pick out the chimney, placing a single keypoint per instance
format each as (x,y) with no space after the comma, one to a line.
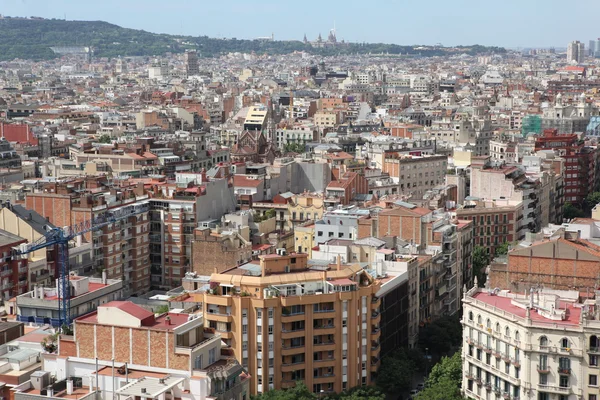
(69,387)
(104,277)
(50,391)
(339,262)
(168,320)
(263,267)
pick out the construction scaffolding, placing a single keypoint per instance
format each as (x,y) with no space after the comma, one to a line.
(531,124)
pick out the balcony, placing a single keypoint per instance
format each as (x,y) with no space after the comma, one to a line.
(543,369)
(554,389)
(6,272)
(564,371)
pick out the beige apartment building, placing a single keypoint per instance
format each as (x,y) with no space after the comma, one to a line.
(287,321)
(415,174)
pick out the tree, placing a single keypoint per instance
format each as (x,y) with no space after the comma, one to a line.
(298,392)
(358,393)
(294,148)
(441,335)
(104,139)
(448,368)
(50,343)
(592,200)
(444,390)
(502,249)
(162,309)
(444,380)
(570,211)
(395,373)
(481,260)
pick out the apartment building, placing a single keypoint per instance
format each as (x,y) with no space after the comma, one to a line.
(29,225)
(434,236)
(561,258)
(172,224)
(288,321)
(346,188)
(122,350)
(496,181)
(580,173)
(495,222)
(42,305)
(13,270)
(539,345)
(327,119)
(121,248)
(415,174)
(218,249)
(341,223)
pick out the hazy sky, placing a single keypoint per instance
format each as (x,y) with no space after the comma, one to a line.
(510,23)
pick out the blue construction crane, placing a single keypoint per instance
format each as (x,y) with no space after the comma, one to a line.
(61,237)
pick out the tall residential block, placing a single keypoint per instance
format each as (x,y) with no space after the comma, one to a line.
(288,321)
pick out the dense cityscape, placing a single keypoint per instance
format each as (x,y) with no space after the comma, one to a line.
(189,225)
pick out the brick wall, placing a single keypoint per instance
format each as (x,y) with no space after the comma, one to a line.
(159,349)
(208,255)
(85,340)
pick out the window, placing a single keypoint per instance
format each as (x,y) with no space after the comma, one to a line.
(563,381)
(593,397)
(258,313)
(593,380)
(593,361)
(543,341)
(564,364)
(244,329)
(564,343)
(211,356)
(470,316)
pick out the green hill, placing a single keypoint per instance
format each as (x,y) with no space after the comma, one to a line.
(32,39)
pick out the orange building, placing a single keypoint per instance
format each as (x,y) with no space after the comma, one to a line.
(287,322)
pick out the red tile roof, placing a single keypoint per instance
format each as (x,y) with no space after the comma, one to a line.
(130,308)
(242,181)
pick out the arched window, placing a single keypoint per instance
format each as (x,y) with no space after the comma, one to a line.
(543,341)
(507,332)
(564,343)
(497,327)
(517,335)
(488,323)
(479,319)
(470,316)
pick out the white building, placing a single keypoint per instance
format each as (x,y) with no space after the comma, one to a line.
(538,346)
(576,52)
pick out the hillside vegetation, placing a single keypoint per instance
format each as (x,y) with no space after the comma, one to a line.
(32,39)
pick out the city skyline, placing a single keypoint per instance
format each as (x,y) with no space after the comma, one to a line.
(469,22)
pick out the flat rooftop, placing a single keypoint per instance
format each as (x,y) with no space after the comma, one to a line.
(160,323)
(505,304)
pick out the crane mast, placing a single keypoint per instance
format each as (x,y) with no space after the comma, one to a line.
(61,237)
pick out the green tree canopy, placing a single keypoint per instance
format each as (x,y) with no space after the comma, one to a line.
(444,380)
(104,139)
(502,249)
(441,335)
(481,260)
(298,392)
(570,211)
(395,373)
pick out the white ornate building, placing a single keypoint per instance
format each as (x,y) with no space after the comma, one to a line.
(538,346)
